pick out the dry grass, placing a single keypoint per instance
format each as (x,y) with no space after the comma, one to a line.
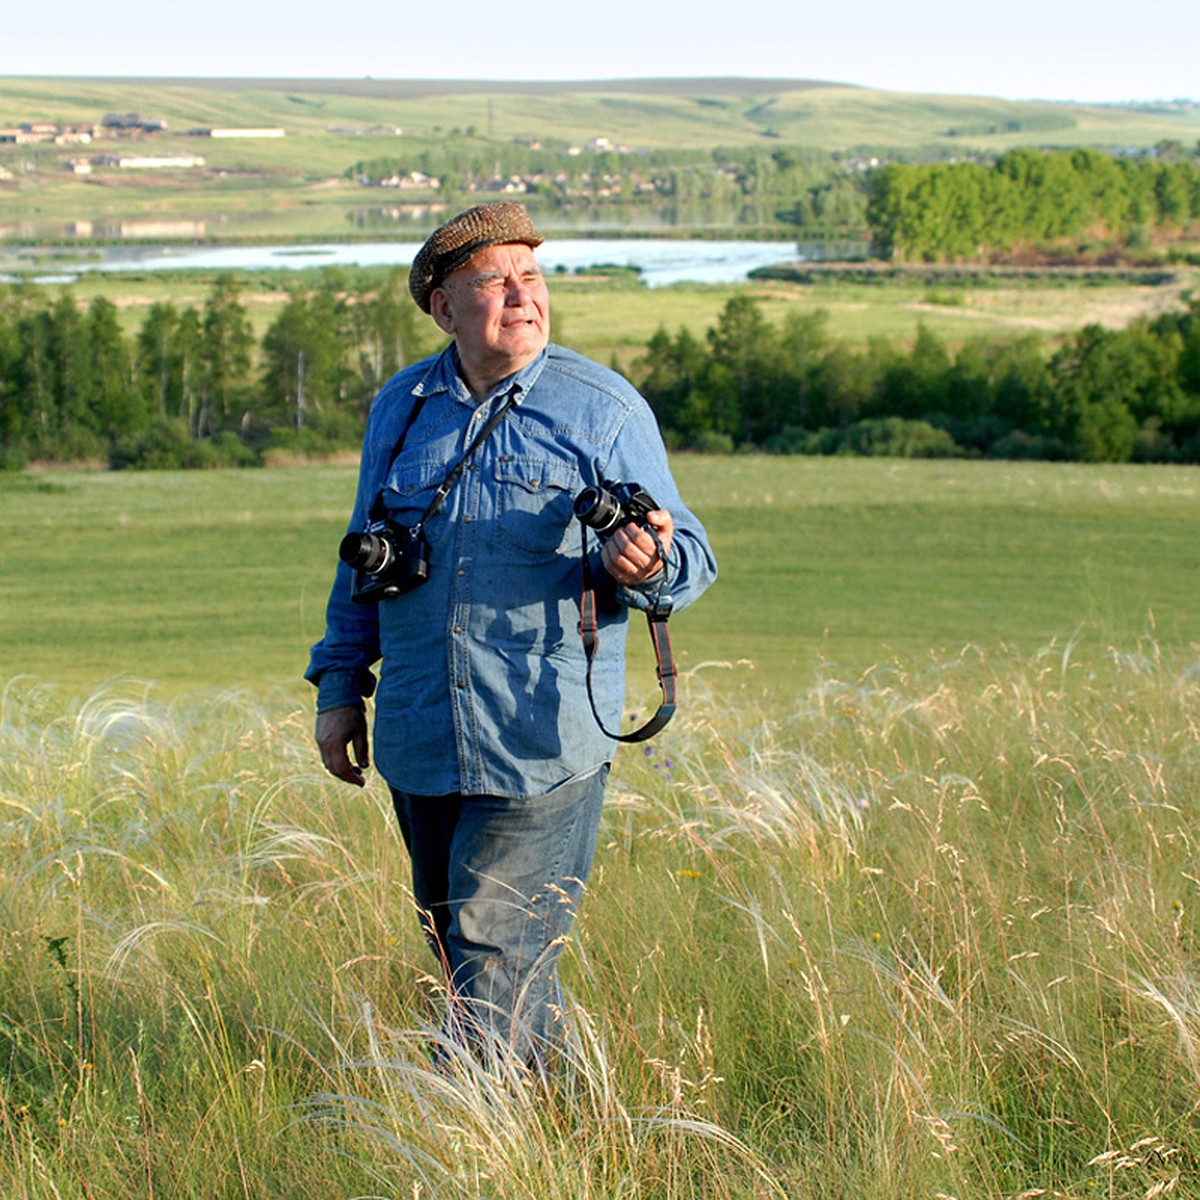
(907,934)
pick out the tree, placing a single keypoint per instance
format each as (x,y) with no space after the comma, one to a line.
(225,344)
(157,373)
(304,357)
(117,409)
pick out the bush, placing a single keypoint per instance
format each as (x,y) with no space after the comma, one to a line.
(167,446)
(895,437)
(13,458)
(1022,445)
(710,442)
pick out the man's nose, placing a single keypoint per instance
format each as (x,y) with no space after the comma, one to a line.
(518,290)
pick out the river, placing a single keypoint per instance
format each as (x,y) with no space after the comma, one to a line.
(661,261)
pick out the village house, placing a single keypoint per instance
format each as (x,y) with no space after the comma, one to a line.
(35,132)
(148,162)
(129,124)
(412,181)
(237,133)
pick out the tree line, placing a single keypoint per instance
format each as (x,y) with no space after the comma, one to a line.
(194,387)
(1101,396)
(1028,198)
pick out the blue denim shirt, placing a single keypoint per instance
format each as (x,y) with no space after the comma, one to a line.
(482,688)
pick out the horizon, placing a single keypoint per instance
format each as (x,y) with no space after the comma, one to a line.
(458,84)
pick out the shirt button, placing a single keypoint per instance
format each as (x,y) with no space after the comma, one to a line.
(458,629)
(460,685)
(461,571)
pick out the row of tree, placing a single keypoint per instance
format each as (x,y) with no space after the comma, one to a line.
(968,211)
(194,387)
(1102,396)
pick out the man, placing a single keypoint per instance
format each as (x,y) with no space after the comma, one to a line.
(483,726)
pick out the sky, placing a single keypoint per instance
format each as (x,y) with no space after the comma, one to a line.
(1084,50)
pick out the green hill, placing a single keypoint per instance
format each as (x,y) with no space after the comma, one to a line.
(650,113)
(296,185)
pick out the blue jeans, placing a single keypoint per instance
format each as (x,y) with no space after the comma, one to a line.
(498,881)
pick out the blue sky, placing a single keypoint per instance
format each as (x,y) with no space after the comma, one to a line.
(1089,50)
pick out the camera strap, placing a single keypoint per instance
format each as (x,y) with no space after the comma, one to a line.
(451,479)
(444,487)
(656,619)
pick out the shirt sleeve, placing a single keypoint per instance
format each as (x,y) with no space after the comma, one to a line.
(340,663)
(639,456)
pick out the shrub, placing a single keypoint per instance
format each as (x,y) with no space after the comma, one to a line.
(167,446)
(895,437)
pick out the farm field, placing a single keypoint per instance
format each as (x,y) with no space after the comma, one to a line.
(902,904)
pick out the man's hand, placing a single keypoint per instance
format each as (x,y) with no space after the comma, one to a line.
(630,555)
(338,728)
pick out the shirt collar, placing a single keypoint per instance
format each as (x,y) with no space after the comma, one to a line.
(443,376)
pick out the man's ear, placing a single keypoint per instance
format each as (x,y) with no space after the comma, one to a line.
(440,311)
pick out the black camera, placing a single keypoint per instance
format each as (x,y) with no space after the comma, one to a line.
(607,507)
(389,559)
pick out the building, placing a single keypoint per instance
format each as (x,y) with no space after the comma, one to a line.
(148,162)
(237,133)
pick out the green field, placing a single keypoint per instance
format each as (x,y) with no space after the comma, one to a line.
(903,904)
(219,579)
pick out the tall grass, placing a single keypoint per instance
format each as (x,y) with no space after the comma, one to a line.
(911,934)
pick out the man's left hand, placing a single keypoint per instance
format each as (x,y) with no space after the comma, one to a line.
(630,555)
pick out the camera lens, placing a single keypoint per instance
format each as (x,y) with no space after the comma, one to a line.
(596,508)
(365,552)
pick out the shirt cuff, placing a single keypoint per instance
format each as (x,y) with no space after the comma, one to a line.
(647,594)
(343,689)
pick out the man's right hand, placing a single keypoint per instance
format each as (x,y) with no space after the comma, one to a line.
(337,729)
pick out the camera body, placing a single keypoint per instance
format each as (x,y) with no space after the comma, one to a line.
(388,559)
(613,504)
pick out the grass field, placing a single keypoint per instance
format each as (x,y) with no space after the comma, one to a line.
(196,579)
(906,909)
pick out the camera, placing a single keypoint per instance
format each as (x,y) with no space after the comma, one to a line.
(389,559)
(613,504)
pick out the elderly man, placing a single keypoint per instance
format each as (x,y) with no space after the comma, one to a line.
(491,729)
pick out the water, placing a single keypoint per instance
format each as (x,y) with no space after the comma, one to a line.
(662,261)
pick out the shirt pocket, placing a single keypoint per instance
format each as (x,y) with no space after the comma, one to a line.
(410,487)
(535,504)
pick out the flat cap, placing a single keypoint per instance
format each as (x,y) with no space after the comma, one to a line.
(453,244)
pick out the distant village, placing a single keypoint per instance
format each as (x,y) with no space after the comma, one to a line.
(131,135)
(118,127)
(596,171)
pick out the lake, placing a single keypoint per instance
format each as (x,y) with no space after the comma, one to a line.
(661,261)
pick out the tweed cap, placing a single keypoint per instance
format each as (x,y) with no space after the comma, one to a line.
(453,244)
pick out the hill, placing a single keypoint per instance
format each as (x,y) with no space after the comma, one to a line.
(296,184)
(647,113)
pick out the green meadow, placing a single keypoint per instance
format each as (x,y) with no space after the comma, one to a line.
(903,904)
(218,579)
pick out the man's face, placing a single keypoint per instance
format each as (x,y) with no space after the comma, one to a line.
(498,309)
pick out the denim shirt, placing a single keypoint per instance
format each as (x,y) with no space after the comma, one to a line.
(482,687)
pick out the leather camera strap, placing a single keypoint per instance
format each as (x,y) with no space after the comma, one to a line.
(656,617)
